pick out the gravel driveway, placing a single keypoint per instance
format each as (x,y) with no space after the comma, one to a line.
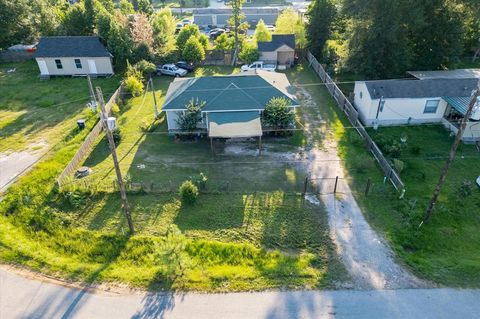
(367,257)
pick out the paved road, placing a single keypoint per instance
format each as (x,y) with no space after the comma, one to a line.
(26,298)
(13,165)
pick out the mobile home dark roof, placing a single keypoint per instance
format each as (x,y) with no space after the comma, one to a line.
(71,46)
(420,88)
(277,41)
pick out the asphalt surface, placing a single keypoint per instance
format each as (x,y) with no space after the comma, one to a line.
(27,298)
(13,165)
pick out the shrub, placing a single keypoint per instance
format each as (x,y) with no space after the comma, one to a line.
(145,67)
(193,51)
(188,121)
(117,136)
(115,108)
(465,189)
(188,192)
(363,163)
(201,181)
(249,53)
(416,150)
(133,85)
(277,114)
(398,165)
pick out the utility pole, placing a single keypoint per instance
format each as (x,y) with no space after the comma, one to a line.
(155,107)
(93,102)
(111,143)
(451,157)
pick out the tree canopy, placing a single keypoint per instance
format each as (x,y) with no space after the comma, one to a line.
(262,34)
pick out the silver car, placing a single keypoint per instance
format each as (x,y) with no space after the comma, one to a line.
(171,69)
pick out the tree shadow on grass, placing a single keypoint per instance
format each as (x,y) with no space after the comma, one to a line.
(211,213)
(75,298)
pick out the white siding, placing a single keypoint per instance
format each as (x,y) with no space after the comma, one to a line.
(396,111)
(103,64)
(268,56)
(172,117)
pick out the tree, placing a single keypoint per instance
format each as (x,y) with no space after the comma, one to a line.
(235,20)
(163,25)
(436,36)
(224,42)
(144,6)
(119,43)
(126,7)
(262,34)
(141,30)
(249,53)
(103,21)
(320,14)
(379,46)
(89,15)
(189,119)
(277,114)
(185,34)
(290,22)
(193,51)
(75,21)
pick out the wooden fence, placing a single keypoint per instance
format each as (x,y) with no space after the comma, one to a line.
(87,145)
(352,114)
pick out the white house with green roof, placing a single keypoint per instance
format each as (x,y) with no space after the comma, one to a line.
(233,104)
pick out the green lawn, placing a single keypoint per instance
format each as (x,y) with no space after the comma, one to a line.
(445,250)
(248,230)
(35,113)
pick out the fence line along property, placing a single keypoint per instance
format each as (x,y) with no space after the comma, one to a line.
(352,114)
(86,146)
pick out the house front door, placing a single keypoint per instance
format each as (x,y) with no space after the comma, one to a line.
(42,65)
(92,66)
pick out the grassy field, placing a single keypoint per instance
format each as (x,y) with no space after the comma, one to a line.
(248,230)
(34,112)
(445,250)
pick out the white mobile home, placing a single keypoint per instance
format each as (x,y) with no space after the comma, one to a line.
(73,55)
(397,102)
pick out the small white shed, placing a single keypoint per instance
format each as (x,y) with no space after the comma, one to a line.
(73,55)
(280,50)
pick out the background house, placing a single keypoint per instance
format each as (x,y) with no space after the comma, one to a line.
(204,17)
(73,55)
(438,100)
(233,103)
(280,50)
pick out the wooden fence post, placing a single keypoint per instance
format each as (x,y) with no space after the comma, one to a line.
(367,189)
(336,183)
(305,185)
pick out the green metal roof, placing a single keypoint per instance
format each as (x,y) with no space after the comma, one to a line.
(232,117)
(223,93)
(458,103)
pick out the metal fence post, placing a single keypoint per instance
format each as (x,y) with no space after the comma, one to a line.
(336,183)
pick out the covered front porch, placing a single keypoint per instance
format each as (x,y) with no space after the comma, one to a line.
(454,114)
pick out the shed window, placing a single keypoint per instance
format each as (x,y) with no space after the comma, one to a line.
(431,106)
(58,62)
(78,63)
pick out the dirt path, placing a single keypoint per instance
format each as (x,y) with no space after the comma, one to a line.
(366,255)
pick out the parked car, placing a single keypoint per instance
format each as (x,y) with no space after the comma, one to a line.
(270,28)
(259,65)
(215,33)
(171,69)
(186,22)
(178,27)
(185,65)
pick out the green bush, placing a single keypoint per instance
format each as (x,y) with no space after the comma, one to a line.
(465,189)
(249,53)
(145,67)
(133,85)
(117,136)
(188,192)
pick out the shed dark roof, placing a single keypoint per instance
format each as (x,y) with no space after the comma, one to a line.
(277,41)
(224,93)
(420,88)
(74,46)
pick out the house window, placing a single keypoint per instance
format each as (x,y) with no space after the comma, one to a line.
(58,62)
(78,63)
(431,106)
(361,94)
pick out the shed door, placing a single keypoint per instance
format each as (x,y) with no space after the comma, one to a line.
(285,57)
(92,66)
(42,65)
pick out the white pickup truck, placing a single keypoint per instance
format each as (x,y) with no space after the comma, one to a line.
(259,65)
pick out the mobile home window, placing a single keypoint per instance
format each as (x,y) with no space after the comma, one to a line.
(431,106)
(78,63)
(58,62)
